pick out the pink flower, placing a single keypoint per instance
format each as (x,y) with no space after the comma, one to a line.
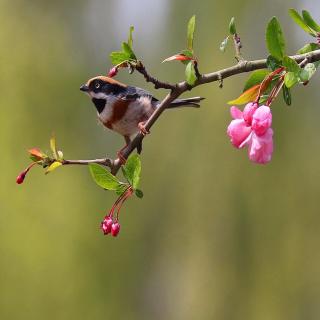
(262,120)
(252,128)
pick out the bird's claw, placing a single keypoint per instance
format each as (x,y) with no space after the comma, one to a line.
(143,129)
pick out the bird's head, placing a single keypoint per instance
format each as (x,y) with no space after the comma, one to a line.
(101,87)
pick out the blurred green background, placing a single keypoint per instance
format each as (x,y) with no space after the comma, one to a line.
(215,237)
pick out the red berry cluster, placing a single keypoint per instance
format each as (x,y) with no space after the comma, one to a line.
(110,223)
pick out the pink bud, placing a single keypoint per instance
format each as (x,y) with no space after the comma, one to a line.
(113,72)
(115,229)
(106,225)
(20,177)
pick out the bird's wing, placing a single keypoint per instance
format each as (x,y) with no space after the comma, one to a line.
(133,93)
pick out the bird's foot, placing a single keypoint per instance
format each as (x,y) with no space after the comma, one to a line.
(142,128)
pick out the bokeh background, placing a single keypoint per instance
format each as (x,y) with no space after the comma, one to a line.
(215,237)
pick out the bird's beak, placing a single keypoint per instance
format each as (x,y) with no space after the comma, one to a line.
(84,88)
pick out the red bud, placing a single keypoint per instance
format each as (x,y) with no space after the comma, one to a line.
(113,72)
(115,229)
(20,177)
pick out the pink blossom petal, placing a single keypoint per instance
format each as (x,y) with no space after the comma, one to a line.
(235,113)
(262,120)
(238,131)
(261,147)
(248,112)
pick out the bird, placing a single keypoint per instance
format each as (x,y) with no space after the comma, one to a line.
(125,109)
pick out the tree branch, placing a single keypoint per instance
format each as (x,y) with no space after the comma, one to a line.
(157,83)
(180,88)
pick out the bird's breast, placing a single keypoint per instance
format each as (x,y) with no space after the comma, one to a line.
(123,116)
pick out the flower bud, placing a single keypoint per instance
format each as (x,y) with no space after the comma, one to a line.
(115,229)
(113,72)
(20,177)
(106,225)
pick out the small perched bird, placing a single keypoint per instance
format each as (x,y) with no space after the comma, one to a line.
(125,109)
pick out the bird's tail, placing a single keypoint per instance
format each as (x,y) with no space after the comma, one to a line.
(189,102)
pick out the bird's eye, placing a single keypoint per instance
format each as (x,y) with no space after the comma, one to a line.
(97,85)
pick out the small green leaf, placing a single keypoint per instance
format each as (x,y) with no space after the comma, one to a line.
(256,77)
(307,72)
(309,21)
(190,33)
(127,50)
(132,170)
(286,95)
(53,147)
(273,63)
(103,177)
(291,65)
(275,39)
(290,79)
(187,53)
(191,73)
(224,44)
(53,166)
(232,27)
(130,39)
(300,22)
(139,193)
(118,57)
(308,48)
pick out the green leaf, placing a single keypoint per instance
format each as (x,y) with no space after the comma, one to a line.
(53,166)
(308,48)
(190,32)
(139,193)
(290,79)
(291,65)
(307,72)
(127,50)
(273,63)
(299,21)
(232,27)
(286,95)
(256,77)
(130,39)
(190,73)
(103,178)
(118,57)
(309,21)
(53,147)
(275,39)
(132,170)
(224,44)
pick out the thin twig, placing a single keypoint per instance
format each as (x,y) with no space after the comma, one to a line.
(157,83)
(237,47)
